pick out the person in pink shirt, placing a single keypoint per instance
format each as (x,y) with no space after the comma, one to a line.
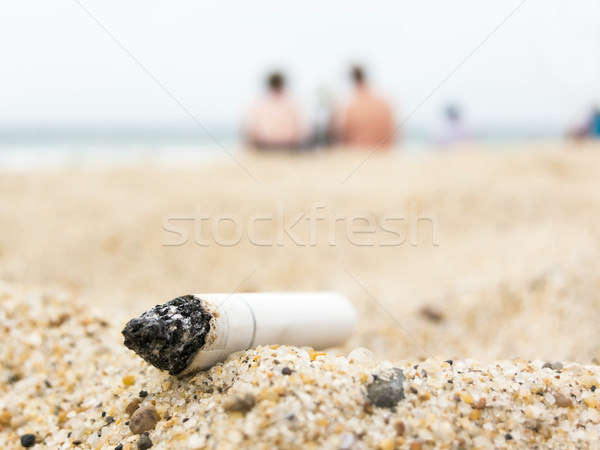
(367,121)
(274,123)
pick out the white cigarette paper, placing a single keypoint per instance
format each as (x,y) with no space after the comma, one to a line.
(242,321)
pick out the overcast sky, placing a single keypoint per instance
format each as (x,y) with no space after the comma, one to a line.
(58,67)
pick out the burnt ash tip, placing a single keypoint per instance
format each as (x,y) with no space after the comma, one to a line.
(169,335)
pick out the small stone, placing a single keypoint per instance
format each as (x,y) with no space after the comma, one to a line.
(144,442)
(475,414)
(415,445)
(562,401)
(592,402)
(239,401)
(387,389)
(361,355)
(132,406)
(144,419)
(387,444)
(547,365)
(432,314)
(480,404)
(143,394)
(399,427)
(347,441)
(286,371)
(557,365)
(128,380)
(28,440)
(588,382)
(119,447)
(508,437)
(5,418)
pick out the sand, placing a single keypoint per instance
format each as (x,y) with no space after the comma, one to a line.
(509,284)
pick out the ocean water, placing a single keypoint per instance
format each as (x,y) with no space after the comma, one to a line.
(58,149)
(26,150)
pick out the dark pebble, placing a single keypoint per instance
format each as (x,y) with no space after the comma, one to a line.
(144,419)
(143,394)
(119,447)
(109,420)
(449,361)
(103,413)
(508,436)
(240,401)
(557,365)
(144,442)
(27,440)
(593,388)
(13,378)
(547,365)
(387,390)
(286,371)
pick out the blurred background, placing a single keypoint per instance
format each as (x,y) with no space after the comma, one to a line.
(66,82)
(116,115)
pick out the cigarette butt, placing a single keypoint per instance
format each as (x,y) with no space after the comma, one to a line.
(194,332)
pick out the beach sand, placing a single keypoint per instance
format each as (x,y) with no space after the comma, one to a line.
(507,283)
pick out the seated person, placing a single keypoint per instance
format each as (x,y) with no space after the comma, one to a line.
(274,122)
(367,121)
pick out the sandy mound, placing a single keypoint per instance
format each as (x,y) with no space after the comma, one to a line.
(70,382)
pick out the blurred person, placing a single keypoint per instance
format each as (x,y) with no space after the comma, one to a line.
(453,130)
(590,129)
(367,120)
(274,123)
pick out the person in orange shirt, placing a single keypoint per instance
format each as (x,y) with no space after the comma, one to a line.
(275,122)
(367,121)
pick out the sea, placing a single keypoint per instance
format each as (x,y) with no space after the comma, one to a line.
(51,149)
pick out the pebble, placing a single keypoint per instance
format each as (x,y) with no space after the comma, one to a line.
(5,418)
(562,400)
(361,355)
(144,419)
(399,427)
(286,371)
(27,440)
(387,390)
(239,401)
(143,394)
(387,444)
(144,442)
(557,365)
(415,445)
(347,441)
(132,406)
